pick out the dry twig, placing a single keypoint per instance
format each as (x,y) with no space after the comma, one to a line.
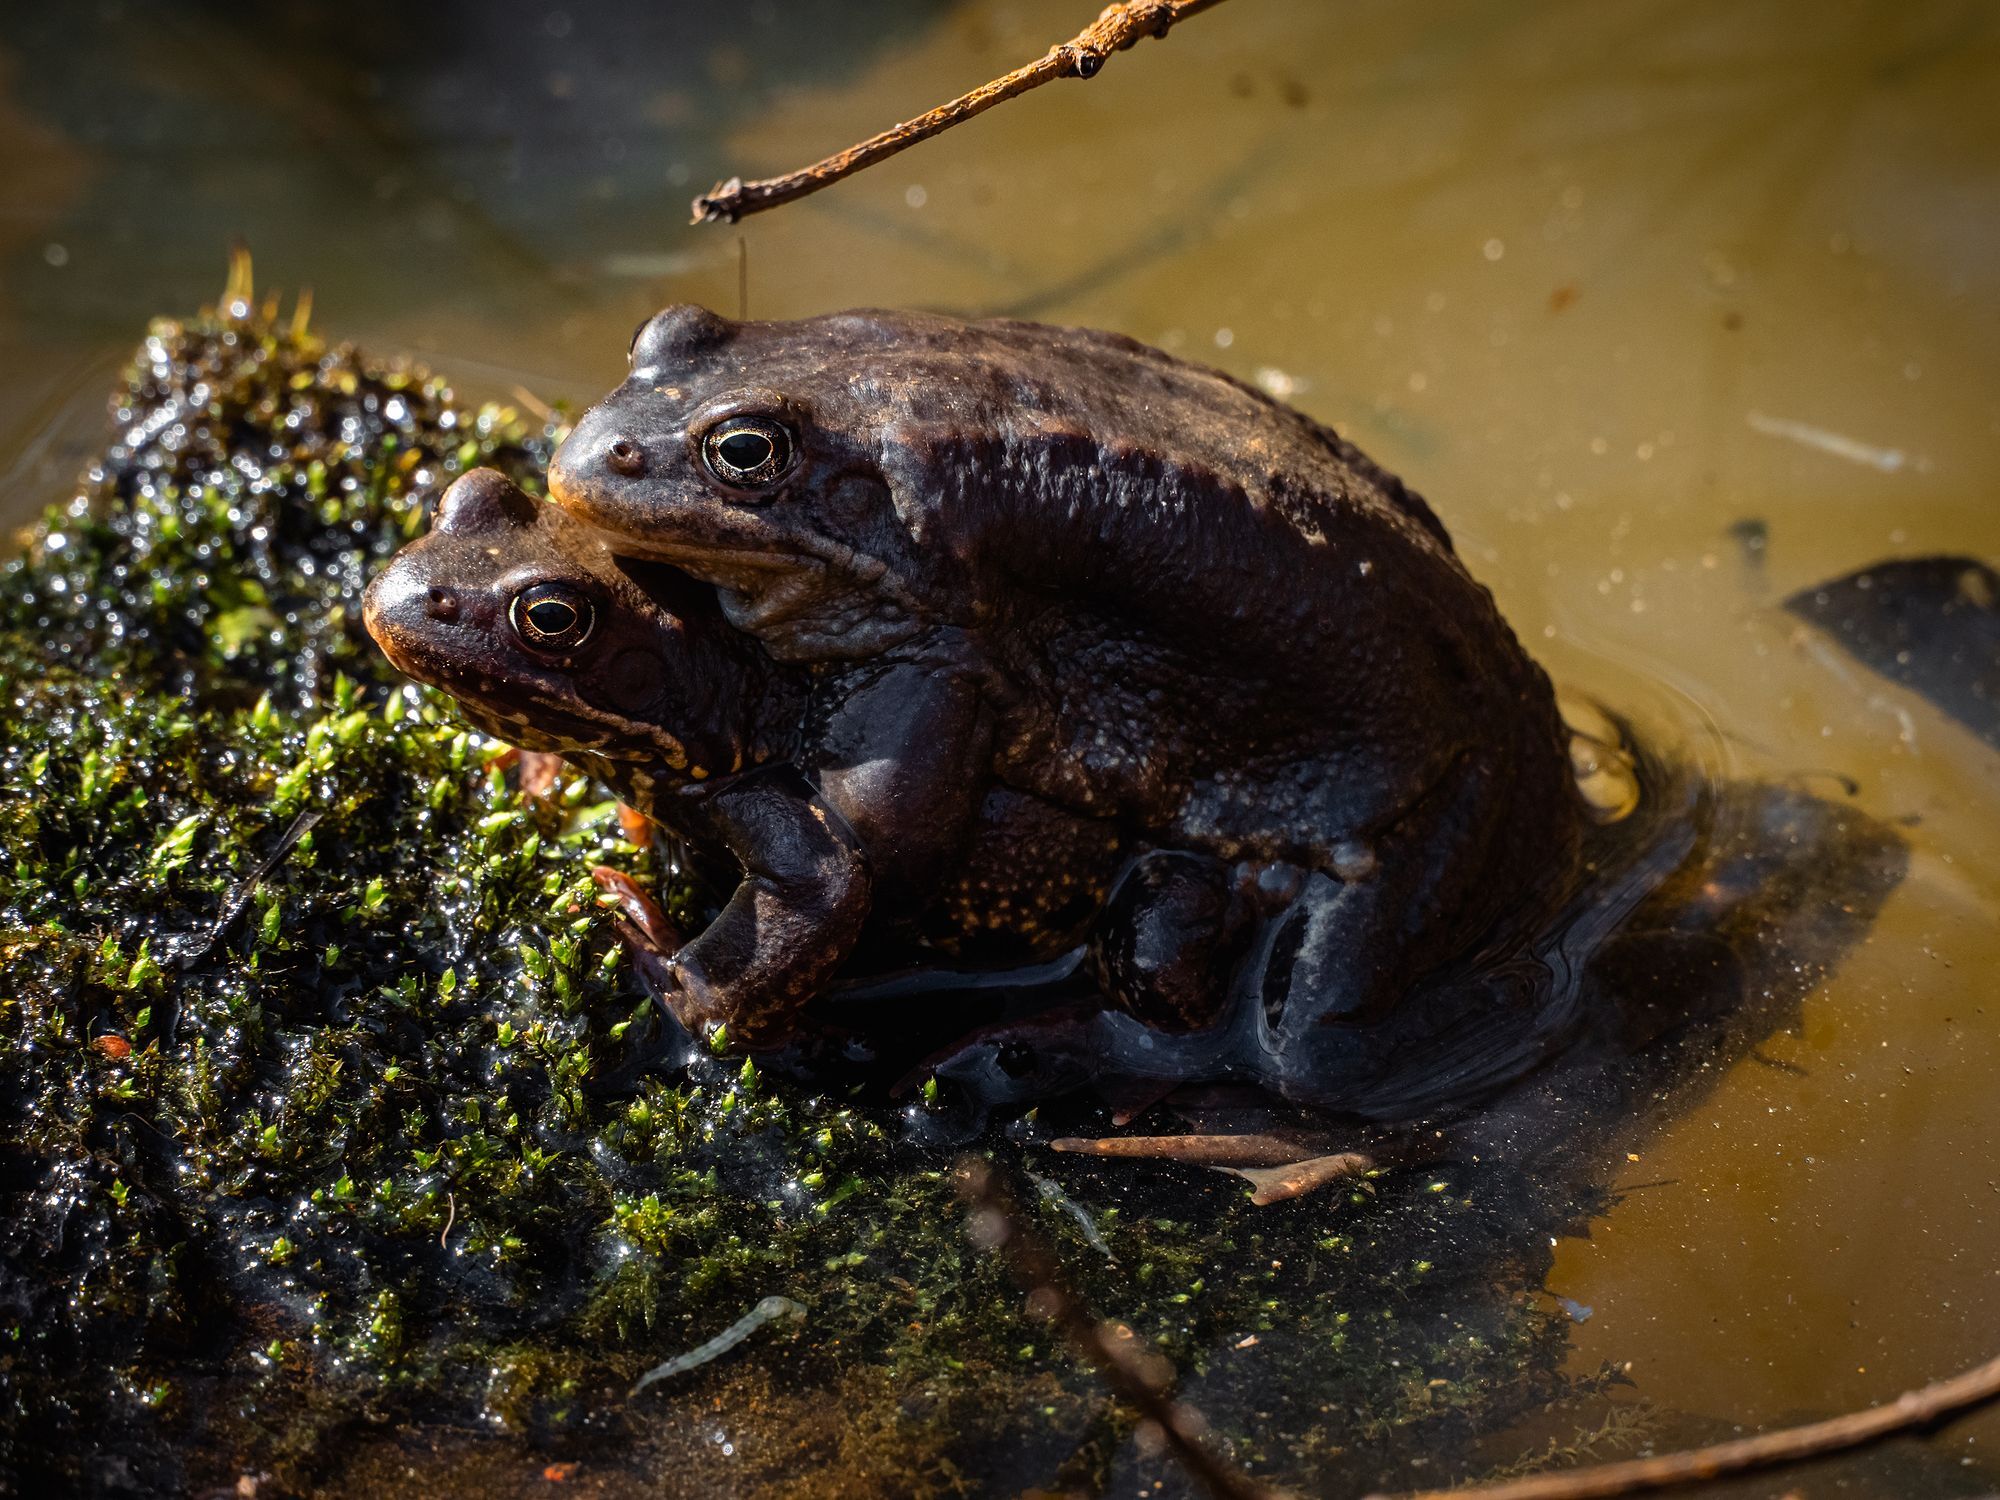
(1909,1412)
(1136,1374)
(1080,57)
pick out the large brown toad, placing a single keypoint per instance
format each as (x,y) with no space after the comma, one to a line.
(1127,585)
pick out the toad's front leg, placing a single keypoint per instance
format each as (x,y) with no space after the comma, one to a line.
(904,753)
(793,919)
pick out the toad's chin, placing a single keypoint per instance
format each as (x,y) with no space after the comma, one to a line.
(468,689)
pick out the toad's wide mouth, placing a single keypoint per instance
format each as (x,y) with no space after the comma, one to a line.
(733,547)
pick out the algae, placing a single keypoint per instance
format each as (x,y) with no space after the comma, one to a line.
(340,1147)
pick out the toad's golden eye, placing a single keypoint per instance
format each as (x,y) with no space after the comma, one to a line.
(552,617)
(749,453)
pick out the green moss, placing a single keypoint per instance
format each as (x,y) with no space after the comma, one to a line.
(387,1128)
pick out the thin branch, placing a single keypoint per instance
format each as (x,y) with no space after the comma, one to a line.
(1909,1412)
(300,827)
(1081,57)
(1136,1374)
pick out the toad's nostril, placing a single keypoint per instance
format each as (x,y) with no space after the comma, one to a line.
(626,457)
(443,605)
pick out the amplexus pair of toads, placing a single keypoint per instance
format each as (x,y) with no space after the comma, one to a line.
(999,637)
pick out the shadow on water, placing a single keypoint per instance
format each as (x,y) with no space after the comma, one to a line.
(1929,623)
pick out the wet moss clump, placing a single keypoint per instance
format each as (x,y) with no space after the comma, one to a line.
(340,1145)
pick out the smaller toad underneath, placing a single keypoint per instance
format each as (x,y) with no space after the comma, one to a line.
(552,642)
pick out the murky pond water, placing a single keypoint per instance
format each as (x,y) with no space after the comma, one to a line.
(1671,307)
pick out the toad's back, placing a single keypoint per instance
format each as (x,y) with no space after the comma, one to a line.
(1207,588)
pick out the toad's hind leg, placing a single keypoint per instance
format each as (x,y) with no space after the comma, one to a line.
(649,936)
(1481,854)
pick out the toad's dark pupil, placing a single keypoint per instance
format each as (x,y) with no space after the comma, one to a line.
(551,616)
(744,450)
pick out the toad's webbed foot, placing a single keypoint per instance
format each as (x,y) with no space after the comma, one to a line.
(649,936)
(1035,1057)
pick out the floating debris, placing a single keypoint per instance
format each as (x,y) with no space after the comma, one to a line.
(1888,460)
(769,1310)
(1052,1190)
(1752,536)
